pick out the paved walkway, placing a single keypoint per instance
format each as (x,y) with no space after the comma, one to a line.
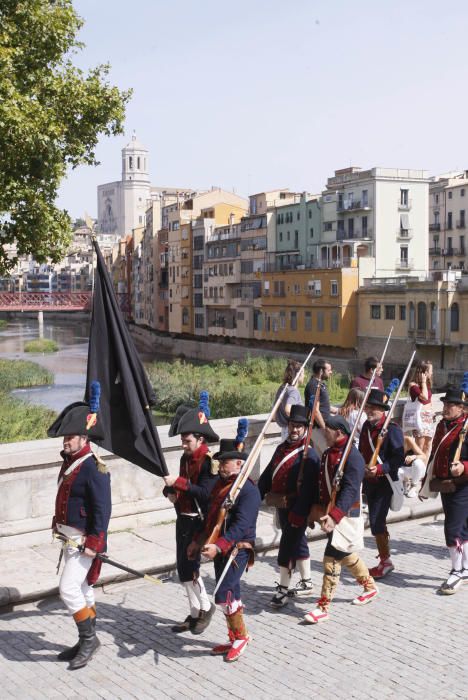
(408,643)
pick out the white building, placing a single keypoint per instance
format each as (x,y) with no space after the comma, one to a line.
(381,214)
(448,222)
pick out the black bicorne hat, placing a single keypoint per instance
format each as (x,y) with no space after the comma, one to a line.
(73,421)
(298,414)
(338,423)
(194,420)
(378,398)
(180,411)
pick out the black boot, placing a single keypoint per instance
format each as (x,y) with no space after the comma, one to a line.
(89,644)
(186,625)
(70,653)
(203,620)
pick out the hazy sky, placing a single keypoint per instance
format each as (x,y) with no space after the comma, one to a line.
(259,94)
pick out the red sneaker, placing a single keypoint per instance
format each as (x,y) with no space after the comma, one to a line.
(237,648)
(366,596)
(383,568)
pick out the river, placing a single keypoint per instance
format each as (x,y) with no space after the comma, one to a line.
(68,365)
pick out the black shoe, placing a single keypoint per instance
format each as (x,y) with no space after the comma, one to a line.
(186,625)
(71,652)
(89,644)
(203,620)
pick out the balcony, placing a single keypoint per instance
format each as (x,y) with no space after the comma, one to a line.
(345,207)
(461,223)
(435,251)
(404,264)
(405,206)
(434,227)
(405,233)
(354,235)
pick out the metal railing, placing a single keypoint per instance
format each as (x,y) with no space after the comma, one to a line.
(405,206)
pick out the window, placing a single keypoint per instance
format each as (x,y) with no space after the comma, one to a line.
(422,316)
(412,316)
(462,218)
(462,192)
(334,288)
(310,210)
(311,231)
(138,163)
(185,316)
(375,311)
(365,198)
(199,321)
(462,245)
(404,198)
(296,239)
(297,289)
(281,236)
(402,312)
(320,321)
(318,288)
(350,228)
(454,318)
(293,321)
(450,195)
(364,226)
(334,321)
(240,315)
(449,220)
(130,162)
(298,216)
(278,219)
(390,312)
(289,235)
(308,321)
(328,226)
(433,316)
(266,287)
(282,320)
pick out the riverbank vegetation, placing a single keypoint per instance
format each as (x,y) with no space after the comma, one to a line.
(41,345)
(20,420)
(236,389)
(3,323)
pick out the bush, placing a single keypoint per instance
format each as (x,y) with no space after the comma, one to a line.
(17,374)
(41,345)
(3,323)
(21,421)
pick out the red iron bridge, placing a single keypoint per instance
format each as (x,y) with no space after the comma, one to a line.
(53,301)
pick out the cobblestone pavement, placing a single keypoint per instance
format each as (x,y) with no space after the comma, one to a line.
(407,644)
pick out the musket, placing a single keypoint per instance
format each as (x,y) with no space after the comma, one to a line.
(313,407)
(106,560)
(461,439)
(344,457)
(251,459)
(384,428)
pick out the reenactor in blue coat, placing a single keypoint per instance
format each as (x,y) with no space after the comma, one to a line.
(447,474)
(286,483)
(376,485)
(82,513)
(189,491)
(343,522)
(233,546)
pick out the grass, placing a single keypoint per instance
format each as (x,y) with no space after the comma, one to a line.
(236,389)
(41,345)
(3,323)
(19,420)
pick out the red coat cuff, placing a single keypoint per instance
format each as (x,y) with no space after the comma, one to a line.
(465,464)
(296,520)
(336,514)
(96,542)
(181,483)
(224,545)
(380,471)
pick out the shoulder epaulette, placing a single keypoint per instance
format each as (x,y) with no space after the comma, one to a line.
(101,465)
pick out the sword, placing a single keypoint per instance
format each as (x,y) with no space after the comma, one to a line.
(232,556)
(106,560)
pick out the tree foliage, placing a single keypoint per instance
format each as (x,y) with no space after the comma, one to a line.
(51,116)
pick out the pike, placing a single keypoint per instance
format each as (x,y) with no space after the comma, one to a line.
(312,413)
(106,560)
(245,472)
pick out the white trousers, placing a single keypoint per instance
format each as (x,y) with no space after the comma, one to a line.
(74,590)
(415,471)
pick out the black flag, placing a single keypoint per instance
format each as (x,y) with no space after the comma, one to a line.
(126,394)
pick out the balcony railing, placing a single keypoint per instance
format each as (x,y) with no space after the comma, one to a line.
(405,206)
(354,235)
(405,233)
(352,206)
(404,264)
(435,251)
(434,227)
(461,223)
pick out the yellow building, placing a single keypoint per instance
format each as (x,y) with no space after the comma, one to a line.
(309,307)
(427,315)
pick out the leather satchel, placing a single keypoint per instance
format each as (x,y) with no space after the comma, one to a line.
(447,485)
(279,500)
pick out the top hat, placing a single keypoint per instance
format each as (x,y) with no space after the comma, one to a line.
(457,396)
(228,450)
(74,420)
(338,423)
(298,414)
(378,398)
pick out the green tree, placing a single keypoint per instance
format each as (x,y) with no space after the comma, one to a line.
(51,116)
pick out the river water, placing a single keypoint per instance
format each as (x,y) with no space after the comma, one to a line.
(68,365)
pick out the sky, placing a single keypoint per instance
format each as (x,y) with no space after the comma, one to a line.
(254,95)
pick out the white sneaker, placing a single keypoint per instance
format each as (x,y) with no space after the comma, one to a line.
(303,587)
(366,596)
(315,616)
